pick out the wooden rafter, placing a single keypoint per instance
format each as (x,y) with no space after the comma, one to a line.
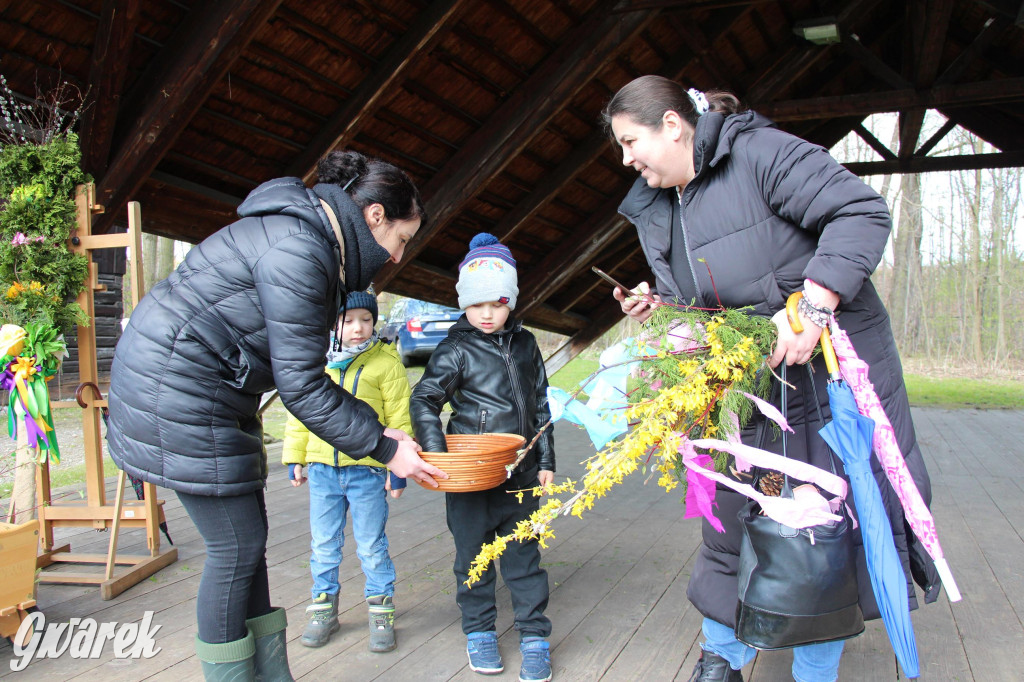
(563,264)
(864,104)
(531,106)
(993,28)
(107,75)
(551,184)
(206,45)
(873,141)
(929,23)
(592,147)
(928,164)
(389,73)
(875,66)
(935,138)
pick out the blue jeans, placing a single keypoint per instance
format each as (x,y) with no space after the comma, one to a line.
(811,663)
(333,491)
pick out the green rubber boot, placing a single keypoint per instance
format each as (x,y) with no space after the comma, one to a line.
(271,646)
(231,661)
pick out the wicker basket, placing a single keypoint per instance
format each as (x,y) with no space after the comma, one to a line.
(474,462)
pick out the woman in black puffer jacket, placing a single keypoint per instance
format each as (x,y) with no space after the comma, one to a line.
(723,193)
(251,309)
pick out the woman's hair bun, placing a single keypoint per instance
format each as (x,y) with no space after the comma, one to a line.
(338,168)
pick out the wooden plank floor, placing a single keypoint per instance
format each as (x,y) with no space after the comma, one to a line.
(618,583)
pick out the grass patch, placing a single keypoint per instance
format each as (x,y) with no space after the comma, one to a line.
(957,393)
(572,373)
(61,476)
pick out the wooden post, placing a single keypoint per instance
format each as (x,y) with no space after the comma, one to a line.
(23,494)
(94,510)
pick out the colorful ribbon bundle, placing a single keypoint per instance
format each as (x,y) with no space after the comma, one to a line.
(31,357)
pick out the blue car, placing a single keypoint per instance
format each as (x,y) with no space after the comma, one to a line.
(416,327)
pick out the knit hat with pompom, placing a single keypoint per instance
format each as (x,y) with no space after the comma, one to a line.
(487,273)
(361,299)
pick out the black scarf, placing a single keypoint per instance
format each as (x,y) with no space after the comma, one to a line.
(364,257)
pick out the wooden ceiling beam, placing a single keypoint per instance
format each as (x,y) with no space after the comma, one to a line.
(928,164)
(991,125)
(195,60)
(591,149)
(563,264)
(873,142)
(928,21)
(993,28)
(551,184)
(703,50)
(294,22)
(518,120)
(910,123)
(874,64)
(388,74)
(107,74)
(929,25)
(867,103)
(935,138)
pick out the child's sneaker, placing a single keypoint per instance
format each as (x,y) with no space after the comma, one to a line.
(382,624)
(482,649)
(323,620)
(536,660)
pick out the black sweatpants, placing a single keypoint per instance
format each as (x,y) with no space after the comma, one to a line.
(478,517)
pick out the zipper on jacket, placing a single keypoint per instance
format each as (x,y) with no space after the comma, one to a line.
(341,382)
(483,421)
(355,382)
(513,375)
(689,256)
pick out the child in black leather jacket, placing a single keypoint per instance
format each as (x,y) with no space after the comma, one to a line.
(490,370)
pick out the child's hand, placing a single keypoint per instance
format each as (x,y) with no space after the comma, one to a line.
(387,486)
(397,434)
(545,478)
(297,477)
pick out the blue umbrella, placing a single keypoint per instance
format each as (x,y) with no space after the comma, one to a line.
(849,435)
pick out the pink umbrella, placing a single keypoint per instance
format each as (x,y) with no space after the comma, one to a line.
(855,372)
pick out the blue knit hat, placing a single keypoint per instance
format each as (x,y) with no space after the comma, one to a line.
(362,299)
(487,273)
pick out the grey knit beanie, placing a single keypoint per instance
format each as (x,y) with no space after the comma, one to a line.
(487,273)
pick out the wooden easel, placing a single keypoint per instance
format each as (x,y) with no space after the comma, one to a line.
(95,511)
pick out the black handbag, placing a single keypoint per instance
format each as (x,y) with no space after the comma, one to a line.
(796,586)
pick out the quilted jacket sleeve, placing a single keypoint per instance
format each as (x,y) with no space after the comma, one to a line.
(435,388)
(806,186)
(296,440)
(293,289)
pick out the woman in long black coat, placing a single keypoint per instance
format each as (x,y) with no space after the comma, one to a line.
(250,309)
(765,214)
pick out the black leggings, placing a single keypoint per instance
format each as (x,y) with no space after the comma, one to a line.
(234,585)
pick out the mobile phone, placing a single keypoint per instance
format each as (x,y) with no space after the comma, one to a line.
(628,291)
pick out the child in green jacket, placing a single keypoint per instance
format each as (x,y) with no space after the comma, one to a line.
(369,369)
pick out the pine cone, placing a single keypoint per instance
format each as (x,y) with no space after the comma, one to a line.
(771,483)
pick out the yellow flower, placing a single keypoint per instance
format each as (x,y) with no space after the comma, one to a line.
(14,290)
(12,339)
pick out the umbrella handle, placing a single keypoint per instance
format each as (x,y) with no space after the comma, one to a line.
(831,362)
